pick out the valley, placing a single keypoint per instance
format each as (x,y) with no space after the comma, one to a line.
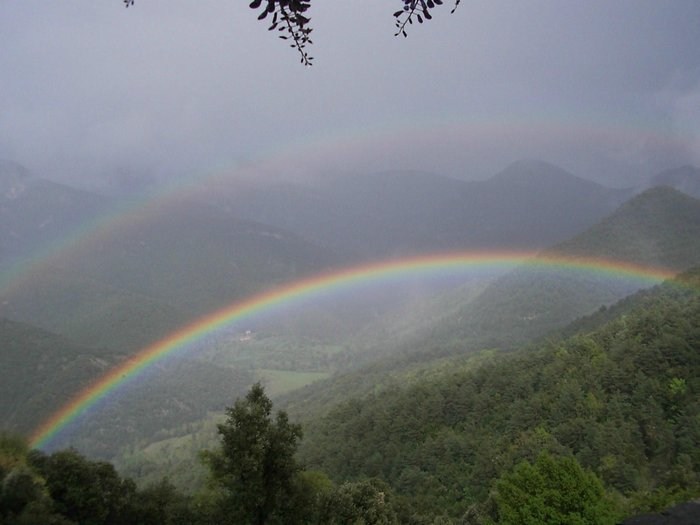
(350,263)
(446,356)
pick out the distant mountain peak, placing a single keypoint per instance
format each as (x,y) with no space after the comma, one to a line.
(685,179)
(534,165)
(531,171)
(9,168)
(13,179)
(658,227)
(666,196)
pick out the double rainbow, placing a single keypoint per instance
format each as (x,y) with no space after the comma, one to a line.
(327,150)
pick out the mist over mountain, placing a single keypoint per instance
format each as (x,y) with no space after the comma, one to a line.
(13,178)
(91,312)
(135,280)
(35,212)
(529,205)
(132,281)
(659,227)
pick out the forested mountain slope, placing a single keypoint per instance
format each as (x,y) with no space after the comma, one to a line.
(658,228)
(91,312)
(132,281)
(471,445)
(34,212)
(529,302)
(622,400)
(42,371)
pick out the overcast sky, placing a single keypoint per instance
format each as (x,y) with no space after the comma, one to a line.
(94,92)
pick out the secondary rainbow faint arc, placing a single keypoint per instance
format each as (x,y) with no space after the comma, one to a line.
(343,278)
(324,149)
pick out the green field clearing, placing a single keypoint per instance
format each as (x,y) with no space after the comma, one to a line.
(278,382)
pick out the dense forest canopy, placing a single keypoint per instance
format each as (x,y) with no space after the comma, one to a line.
(618,399)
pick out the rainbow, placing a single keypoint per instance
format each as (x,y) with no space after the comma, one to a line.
(334,281)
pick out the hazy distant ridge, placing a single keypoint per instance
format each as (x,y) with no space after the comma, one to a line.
(531,204)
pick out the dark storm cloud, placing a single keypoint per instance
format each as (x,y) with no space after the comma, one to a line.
(609,90)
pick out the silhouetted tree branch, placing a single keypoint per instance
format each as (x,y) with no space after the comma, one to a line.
(418,9)
(290,21)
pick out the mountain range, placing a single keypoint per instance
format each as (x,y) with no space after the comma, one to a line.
(131,281)
(170,264)
(529,205)
(133,284)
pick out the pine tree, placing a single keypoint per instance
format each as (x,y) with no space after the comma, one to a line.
(254,471)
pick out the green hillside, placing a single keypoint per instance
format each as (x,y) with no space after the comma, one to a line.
(40,372)
(525,304)
(658,228)
(44,370)
(156,405)
(622,400)
(132,284)
(34,212)
(92,312)
(619,397)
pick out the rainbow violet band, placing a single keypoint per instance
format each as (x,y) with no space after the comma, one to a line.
(364,274)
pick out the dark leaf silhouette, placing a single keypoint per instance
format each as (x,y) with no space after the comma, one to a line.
(418,8)
(288,18)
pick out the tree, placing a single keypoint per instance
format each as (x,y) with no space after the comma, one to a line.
(23,495)
(254,471)
(84,491)
(552,491)
(163,504)
(289,19)
(367,502)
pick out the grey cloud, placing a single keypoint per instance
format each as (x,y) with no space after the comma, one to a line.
(176,87)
